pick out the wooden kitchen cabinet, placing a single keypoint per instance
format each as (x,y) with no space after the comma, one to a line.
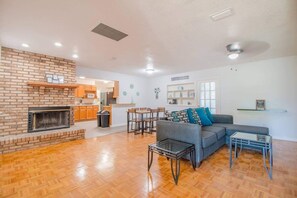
(90,112)
(83,113)
(95,110)
(80,91)
(116,89)
(76,114)
(94,88)
(88,87)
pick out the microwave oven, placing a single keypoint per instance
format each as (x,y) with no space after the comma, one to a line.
(90,95)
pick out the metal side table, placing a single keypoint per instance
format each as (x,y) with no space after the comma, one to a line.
(263,142)
(173,150)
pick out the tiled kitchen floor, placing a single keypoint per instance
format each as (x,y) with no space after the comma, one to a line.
(93,131)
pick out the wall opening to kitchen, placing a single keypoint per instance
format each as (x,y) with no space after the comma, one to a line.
(93,95)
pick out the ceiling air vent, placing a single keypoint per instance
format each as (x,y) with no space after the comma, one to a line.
(109,32)
(222,14)
(179,78)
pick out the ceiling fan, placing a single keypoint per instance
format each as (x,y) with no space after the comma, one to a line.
(234,50)
(251,48)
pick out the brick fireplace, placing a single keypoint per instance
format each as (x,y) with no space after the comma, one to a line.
(16,97)
(48,118)
(17,68)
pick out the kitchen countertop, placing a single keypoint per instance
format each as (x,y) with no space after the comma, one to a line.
(78,105)
(123,105)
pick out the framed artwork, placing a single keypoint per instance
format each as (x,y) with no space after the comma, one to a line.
(61,79)
(53,78)
(49,78)
(260,105)
(56,81)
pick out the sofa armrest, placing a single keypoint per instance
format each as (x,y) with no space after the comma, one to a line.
(185,132)
(220,118)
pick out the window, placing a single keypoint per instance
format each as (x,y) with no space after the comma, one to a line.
(207,95)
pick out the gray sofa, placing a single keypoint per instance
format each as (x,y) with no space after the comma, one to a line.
(207,139)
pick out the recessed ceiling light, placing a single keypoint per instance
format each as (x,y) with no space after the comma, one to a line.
(74,56)
(105,81)
(57,44)
(25,45)
(82,77)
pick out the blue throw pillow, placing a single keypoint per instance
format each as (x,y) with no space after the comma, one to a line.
(193,116)
(208,113)
(203,117)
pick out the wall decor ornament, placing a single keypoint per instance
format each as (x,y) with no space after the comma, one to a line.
(131,86)
(54,78)
(260,105)
(49,78)
(124,93)
(157,91)
(137,93)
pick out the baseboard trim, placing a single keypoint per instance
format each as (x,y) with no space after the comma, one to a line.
(118,125)
(284,139)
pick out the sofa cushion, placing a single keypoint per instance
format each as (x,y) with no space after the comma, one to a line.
(219,131)
(193,116)
(208,138)
(232,128)
(203,117)
(178,116)
(209,115)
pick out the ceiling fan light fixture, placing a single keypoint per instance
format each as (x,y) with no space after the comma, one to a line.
(149,70)
(233,56)
(234,51)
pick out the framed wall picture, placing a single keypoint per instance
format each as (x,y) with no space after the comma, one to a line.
(260,105)
(49,78)
(61,79)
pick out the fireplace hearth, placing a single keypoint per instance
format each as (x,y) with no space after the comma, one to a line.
(48,118)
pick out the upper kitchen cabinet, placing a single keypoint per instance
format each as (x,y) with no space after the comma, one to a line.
(116,89)
(83,90)
(80,91)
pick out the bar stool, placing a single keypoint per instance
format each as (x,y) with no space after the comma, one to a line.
(152,119)
(132,119)
(161,113)
(145,115)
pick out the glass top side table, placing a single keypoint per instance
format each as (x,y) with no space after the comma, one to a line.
(263,142)
(173,150)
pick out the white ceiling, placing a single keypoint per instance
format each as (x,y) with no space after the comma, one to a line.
(178,36)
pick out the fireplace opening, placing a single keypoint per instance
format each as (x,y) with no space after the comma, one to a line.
(48,118)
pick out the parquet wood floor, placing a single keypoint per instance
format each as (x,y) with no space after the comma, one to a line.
(116,166)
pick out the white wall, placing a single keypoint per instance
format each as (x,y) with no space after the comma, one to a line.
(140,84)
(274,80)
